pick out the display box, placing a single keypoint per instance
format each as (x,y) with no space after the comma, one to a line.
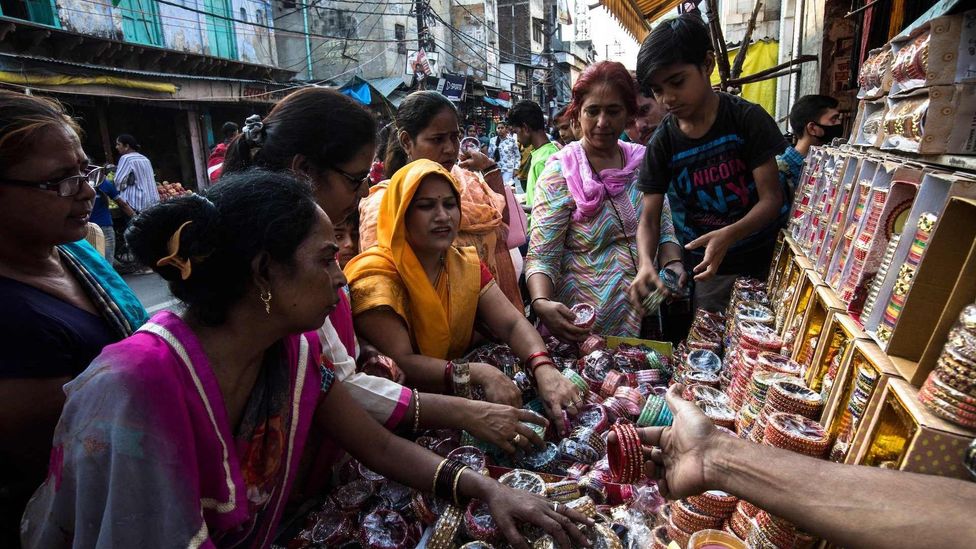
(947,255)
(904,435)
(863,376)
(933,195)
(963,294)
(822,304)
(836,212)
(874,78)
(851,220)
(794,302)
(775,267)
(939,51)
(836,341)
(934,120)
(869,123)
(884,221)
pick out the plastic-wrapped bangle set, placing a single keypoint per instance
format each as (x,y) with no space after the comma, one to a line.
(950,390)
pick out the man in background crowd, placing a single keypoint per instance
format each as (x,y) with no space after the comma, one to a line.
(215,163)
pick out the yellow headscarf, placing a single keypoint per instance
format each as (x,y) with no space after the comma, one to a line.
(440,322)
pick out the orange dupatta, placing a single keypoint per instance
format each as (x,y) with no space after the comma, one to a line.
(390,275)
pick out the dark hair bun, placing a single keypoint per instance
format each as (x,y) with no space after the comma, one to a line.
(149,233)
(246,214)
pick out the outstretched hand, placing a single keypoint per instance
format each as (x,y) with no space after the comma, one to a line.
(677,454)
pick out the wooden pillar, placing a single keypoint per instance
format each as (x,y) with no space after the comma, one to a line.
(199,150)
(101,110)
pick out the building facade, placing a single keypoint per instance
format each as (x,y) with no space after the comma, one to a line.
(165,71)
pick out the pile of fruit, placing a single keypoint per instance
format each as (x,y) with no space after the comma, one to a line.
(169,190)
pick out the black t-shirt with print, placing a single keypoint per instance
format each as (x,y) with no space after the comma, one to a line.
(709,180)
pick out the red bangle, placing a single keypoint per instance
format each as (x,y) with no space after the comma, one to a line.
(449,378)
(624,454)
(543,363)
(534,356)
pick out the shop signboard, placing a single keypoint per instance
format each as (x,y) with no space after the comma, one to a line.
(453,87)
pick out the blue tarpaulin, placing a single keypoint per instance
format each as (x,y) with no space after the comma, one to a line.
(498,102)
(358,91)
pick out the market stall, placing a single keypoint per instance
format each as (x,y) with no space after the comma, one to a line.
(860,348)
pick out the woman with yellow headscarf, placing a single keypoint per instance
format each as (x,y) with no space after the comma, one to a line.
(416,297)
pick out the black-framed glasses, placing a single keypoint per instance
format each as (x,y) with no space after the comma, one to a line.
(356,181)
(69,186)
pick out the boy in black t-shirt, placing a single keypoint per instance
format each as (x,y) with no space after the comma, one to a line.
(715,155)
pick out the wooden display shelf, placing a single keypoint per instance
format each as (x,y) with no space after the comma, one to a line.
(904,435)
(837,337)
(822,305)
(863,354)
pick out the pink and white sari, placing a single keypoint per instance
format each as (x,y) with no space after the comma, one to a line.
(144,455)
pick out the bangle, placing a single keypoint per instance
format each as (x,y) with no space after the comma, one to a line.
(449,377)
(490,171)
(665,266)
(416,410)
(534,356)
(454,487)
(624,454)
(532,303)
(537,365)
(445,529)
(462,379)
(437,473)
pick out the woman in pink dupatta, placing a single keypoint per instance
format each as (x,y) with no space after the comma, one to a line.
(189,433)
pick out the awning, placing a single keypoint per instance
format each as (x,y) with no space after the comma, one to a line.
(386,86)
(635,15)
(358,91)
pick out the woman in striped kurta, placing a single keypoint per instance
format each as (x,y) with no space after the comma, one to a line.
(584,217)
(590,260)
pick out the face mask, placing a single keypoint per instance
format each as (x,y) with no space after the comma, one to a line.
(830,132)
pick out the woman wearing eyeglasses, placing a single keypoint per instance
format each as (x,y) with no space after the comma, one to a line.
(62,302)
(300,136)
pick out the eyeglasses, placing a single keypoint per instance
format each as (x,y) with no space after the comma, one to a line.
(69,186)
(356,181)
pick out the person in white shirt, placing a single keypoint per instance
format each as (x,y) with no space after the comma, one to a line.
(504,151)
(134,175)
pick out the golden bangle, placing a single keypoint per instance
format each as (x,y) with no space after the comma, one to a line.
(416,410)
(437,473)
(457,479)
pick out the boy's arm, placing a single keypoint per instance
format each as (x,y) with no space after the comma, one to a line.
(764,212)
(648,235)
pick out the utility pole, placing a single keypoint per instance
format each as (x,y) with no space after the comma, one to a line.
(423,34)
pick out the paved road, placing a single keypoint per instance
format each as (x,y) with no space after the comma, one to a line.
(152,291)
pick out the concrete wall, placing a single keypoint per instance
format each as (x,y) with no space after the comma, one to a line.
(94,18)
(255,44)
(184,28)
(735,16)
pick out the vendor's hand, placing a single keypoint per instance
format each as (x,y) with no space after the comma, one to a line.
(498,388)
(643,285)
(559,320)
(475,161)
(716,244)
(677,454)
(558,393)
(509,507)
(498,424)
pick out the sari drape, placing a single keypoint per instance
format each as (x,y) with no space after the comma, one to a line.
(390,275)
(144,454)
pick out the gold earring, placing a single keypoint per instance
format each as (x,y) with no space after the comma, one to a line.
(266,298)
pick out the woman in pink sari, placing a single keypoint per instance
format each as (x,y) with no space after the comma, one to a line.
(189,433)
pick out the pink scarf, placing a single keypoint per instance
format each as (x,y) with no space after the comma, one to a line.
(588,191)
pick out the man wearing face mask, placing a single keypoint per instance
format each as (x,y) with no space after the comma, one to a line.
(815,121)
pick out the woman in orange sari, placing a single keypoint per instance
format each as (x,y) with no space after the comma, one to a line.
(427,128)
(416,295)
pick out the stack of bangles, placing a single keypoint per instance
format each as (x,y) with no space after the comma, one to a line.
(531,364)
(624,454)
(457,378)
(445,529)
(446,479)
